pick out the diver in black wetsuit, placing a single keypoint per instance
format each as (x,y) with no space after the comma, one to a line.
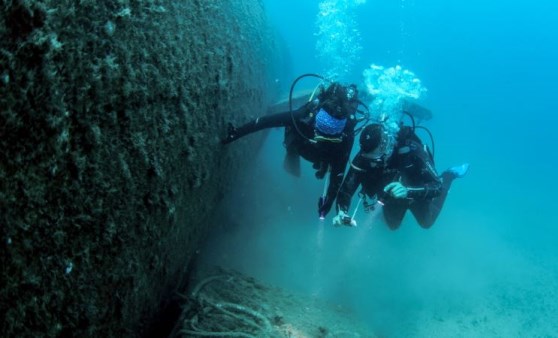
(399,175)
(322,131)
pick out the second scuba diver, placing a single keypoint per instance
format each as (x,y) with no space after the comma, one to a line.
(398,174)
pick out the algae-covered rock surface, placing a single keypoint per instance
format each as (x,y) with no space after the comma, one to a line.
(110,162)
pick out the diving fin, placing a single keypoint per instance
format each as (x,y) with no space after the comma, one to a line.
(419,112)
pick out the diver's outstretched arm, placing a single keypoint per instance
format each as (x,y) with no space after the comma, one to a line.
(268,121)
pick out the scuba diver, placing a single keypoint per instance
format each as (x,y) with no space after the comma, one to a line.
(321,131)
(398,174)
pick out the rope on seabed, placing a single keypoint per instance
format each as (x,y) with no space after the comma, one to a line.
(232,311)
(227,309)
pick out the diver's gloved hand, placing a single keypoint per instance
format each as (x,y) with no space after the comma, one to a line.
(343,219)
(324,206)
(321,169)
(231,134)
(396,190)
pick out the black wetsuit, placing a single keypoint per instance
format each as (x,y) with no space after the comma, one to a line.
(300,140)
(412,165)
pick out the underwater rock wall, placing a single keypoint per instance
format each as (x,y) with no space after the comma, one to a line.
(110,163)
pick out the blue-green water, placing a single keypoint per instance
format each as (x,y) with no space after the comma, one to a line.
(488,267)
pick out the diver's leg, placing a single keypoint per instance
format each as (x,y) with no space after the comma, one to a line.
(426,212)
(292,143)
(393,214)
(291,163)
